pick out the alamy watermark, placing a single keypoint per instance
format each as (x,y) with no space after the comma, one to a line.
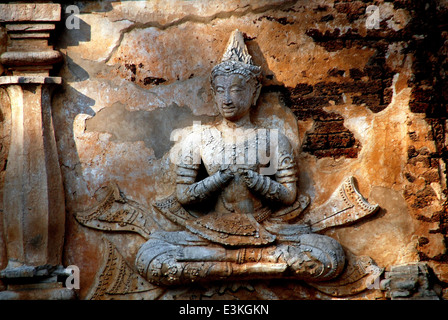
(374,19)
(73,279)
(72,21)
(372,281)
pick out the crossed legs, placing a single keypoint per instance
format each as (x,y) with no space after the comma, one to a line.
(175,258)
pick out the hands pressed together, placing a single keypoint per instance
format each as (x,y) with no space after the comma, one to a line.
(250,177)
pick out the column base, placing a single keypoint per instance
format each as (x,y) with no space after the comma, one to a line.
(15,271)
(25,282)
(37,291)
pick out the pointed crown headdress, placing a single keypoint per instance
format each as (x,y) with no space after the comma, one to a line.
(236,60)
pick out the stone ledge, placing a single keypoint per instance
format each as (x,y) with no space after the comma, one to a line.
(411,281)
(21,12)
(39,294)
(31,58)
(29,80)
(30,27)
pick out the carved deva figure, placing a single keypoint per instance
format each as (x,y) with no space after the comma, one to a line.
(234,220)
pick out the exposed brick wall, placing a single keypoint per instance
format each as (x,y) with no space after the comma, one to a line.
(425,38)
(429,97)
(330,138)
(368,86)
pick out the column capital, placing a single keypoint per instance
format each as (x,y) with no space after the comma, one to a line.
(28,27)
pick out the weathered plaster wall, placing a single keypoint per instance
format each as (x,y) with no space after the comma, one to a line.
(355,101)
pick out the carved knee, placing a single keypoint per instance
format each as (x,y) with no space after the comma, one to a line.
(316,258)
(161,263)
(156,261)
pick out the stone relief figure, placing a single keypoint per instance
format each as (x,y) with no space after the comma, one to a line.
(235,239)
(236,204)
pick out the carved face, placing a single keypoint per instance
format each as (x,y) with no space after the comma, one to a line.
(234,96)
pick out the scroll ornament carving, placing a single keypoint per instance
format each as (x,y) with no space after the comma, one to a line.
(254,226)
(118,279)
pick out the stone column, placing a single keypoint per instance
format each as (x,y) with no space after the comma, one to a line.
(34,212)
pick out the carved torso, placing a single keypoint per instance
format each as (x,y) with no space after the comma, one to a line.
(217,146)
(238,210)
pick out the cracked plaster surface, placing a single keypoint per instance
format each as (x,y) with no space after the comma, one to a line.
(151,56)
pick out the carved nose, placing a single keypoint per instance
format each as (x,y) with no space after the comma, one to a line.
(227,99)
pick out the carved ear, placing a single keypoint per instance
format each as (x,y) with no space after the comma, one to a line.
(212,84)
(256,94)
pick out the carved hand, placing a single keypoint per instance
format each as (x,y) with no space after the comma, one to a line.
(267,187)
(198,191)
(250,177)
(225,173)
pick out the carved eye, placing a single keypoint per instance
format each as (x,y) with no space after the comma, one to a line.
(219,90)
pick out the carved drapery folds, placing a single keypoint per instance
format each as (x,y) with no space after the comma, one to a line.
(34,207)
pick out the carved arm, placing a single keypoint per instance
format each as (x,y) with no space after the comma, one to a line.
(285,193)
(283,189)
(189,192)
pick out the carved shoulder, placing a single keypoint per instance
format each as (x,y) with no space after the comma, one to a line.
(284,146)
(187,150)
(287,166)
